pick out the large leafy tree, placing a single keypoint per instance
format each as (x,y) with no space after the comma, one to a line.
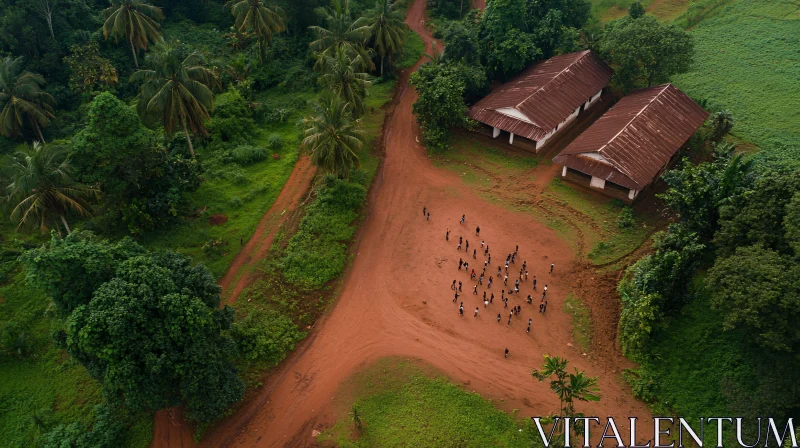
(176,90)
(440,105)
(646,52)
(697,191)
(41,188)
(142,183)
(342,75)
(570,387)
(387,30)
(333,135)
(153,334)
(343,31)
(134,21)
(259,18)
(22,99)
(758,289)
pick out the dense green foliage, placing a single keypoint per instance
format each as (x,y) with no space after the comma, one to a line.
(316,253)
(398,405)
(753,43)
(644,52)
(143,182)
(150,330)
(440,105)
(333,136)
(22,99)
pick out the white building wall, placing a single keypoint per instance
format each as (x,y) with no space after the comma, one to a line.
(511,139)
(593,99)
(495,132)
(632,194)
(597,183)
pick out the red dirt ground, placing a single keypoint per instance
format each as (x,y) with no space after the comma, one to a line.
(402,261)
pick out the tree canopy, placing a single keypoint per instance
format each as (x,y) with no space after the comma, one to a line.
(645,52)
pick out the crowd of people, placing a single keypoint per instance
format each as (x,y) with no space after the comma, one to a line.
(485,277)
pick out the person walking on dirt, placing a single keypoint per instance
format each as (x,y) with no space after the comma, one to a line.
(534,283)
(490,256)
(480,280)
(490,281)
(506,353)
(541,307)
(545,288)
(552,266)
(485,302)
(474,253)
(478,230)
(476,312)
(475,291)
(463,219)
(498,317)
(524,264)
(453,286)
(466,266)
(460,239)
(447,235)
(455,298)
(424,211)
(530,321)
(503,295)
(483,244)
(526,275)
(459,286)
(467,246)
(472,276)
(505,303)
(505,280)
(544,310)
(428,218)
(499,271)
(509,318)
(460,263)
(461,309)
(459,246)
(491,298)
(530,299)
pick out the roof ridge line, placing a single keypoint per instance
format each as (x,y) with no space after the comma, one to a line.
(616,165)
(585,52)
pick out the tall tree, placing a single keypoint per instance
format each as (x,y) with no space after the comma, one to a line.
(342,75)
(646,52)
(176,90)
(257,17)
(45,9)
(41,187)
(134,21)
(570,387)
(342,31)
(22,99)
(388,30)
(333,136)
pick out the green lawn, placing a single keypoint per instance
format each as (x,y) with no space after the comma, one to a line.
(403,404)
(581,321)
(747,62)
(413,49)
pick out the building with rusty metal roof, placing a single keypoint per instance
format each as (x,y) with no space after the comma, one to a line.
(544,98)
(629,147)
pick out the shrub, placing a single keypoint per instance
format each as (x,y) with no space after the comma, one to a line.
(275,142)
(232,119)
(626,219)
(265,335)
(246,155)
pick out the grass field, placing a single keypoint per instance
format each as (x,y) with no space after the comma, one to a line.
(747,62)
(413,49)
(581,321)
(401,403)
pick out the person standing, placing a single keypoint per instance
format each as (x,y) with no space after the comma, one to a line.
(545,288)
(498,317)
(447,235)
(485,302)
(461,309)
(506,353)
(477,230)
(526,275)
(455,299)
(460,263)
(475,291)
(476,312)
(459,286)
(453,286)
(459,245)
(491,298)
(428,218)
(480,280)
(424,211)
(499,271)
(474,253)
(505,303)
(505,280)
(467,246)
(552,266)
(529,326)
(530,299)
(541,305)
(463,219)
(490,281)
(509,318)
(534,283)
(544,310)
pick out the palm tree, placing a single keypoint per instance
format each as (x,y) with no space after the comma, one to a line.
(436,55)
(388,30)
(721,124)
(40,187)
(22,99)
(569,387)
(343,31)
(255,16)
(342,76)
(135,21)
(176,90)
(333,135)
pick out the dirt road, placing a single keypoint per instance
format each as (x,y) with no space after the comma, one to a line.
(396,301)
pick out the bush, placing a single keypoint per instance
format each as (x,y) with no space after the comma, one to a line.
(15,340)
(316,254)
(265,335)
(107,431)
(626,218)
(232,120)
(275,142)
(245,155)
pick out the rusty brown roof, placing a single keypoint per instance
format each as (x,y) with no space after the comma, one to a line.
(635,139)
(546,93)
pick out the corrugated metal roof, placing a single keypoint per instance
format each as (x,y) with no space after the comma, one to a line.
(635,139)
(546,92)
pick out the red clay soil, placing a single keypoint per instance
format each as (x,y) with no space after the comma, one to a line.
(396,301)
(479,4)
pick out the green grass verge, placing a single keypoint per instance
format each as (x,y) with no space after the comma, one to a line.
(746,61)
(581,321)
(402,404)
(413,49)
